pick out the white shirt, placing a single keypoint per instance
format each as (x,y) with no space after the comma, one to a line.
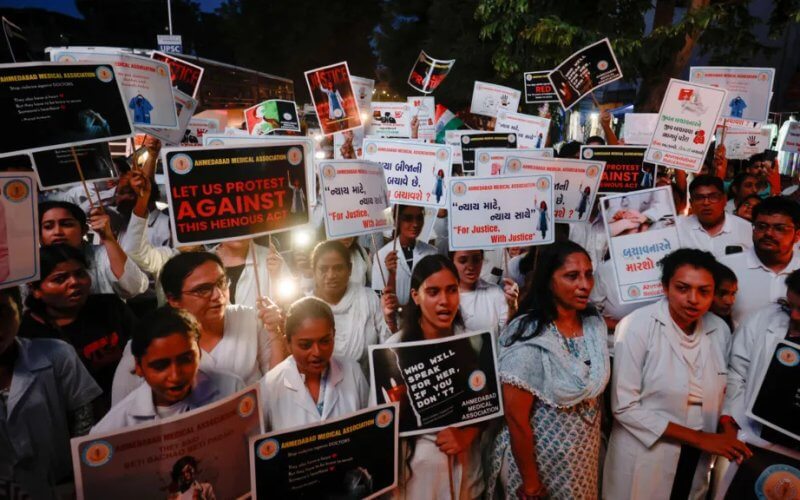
(132,282)
(735,232)
(730,206)
(138,406)
(403,285)
(758,285)
(592,237)
(244,351)
(484,309)
(287,402)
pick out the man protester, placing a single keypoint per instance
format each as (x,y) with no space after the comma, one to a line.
(762,269)
(709,228)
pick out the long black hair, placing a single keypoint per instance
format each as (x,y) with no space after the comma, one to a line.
(538,304)
(430,264)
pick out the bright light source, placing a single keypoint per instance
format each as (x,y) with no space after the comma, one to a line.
(594,116)
(318,137)
(301,238)
(144,156)
(364,116)
(287,288)
(319,155)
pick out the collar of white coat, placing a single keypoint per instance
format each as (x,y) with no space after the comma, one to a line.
(661,314)
(753,262)
(294,381)
(205,390)
(727,225)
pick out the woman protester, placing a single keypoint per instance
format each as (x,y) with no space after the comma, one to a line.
(312,384)
(60,306)
(667,389)
(430,462)
(553,365)
(46,398)
(357,312)
(166,347)
(234,338)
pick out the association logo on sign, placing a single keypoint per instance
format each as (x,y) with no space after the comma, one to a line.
(543,184)
(268,449)
(104,74)
(97,453)
(483,157)
(588,153)
(287,116)
(295,156)
(246,406)
(16,191)
(514,165)
(384,418)
(66,58)
(634,292)
(592,171)
(328,172)
(216,142)
(763,76)
(465,139)
(442,154)
(372,148)
(161,72)
(181,164)
(787,356)
(477,380)
(778,481)
(657,155)
(459,188)
(529,77)
(512,138)
(602,65)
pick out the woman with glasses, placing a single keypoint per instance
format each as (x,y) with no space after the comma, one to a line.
(356,309)
(312,384)
(60,306)
(393,263)
(234,338)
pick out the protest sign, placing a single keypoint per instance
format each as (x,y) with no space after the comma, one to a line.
(686,123)
(574,183)
(531,130)
(185,105)
(635,246)
(453,139)
(348,145)
(57,169)
(585,70)
(333,97)
(428,73)
(51,105)
(275,114)
(416,173)
(146,84)
(538,89)
(363,88)
(776,404)
(791,143)
(354,456)
(625,169)
(764,476)
(489,98)
(204,450)
(639,128)
(471,142)
(491,161)
(749,89)
(185,75)
(494,212)
(423,109)
(197,129)
(742,143)
(354,196)
(170,43)
(19,229)
(390,119)
(446,382)
(235,192)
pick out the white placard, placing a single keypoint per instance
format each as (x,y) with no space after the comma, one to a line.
(19,229)
(639,128)
(362,88)
(197,129)
(453,139)
(424,110)
(486,213)
(490,162)
(686,123)
(791,143)
(531,130)
(741,144)
(185,105)
(749,89)
(390,119)
(489,98)
(354,197)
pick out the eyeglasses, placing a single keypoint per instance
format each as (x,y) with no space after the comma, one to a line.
(762,227)
(206,290)
(412,218)
(711,198)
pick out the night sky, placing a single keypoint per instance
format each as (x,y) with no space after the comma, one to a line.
(68,6)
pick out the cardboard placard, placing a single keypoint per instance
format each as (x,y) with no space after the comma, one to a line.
(334,99)
(538,89)
(585,70)
(489,98)
(56,105)
(447,382)
(428,73)
(185,105)
(766,475)
(348,145)
(363,88)
(57,169)
(416,173)
(274,114)
(625,171)
(186,76)
(423,109)
(490,162)
(146,84)
(742,143)
(207,448)
(575,183)
(19,229)
(453,139)
(639,128)
(235,192)
(390,120)
(791,143)
(354,196)
(481,140)
(492,212)
(749,89)
(776,404)
(531,130)
(354,456)
(636,247)
(686,124)
(197,129)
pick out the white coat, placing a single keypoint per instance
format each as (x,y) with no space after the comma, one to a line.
(484,309)
(287,402)
(650,389)
(403,285)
